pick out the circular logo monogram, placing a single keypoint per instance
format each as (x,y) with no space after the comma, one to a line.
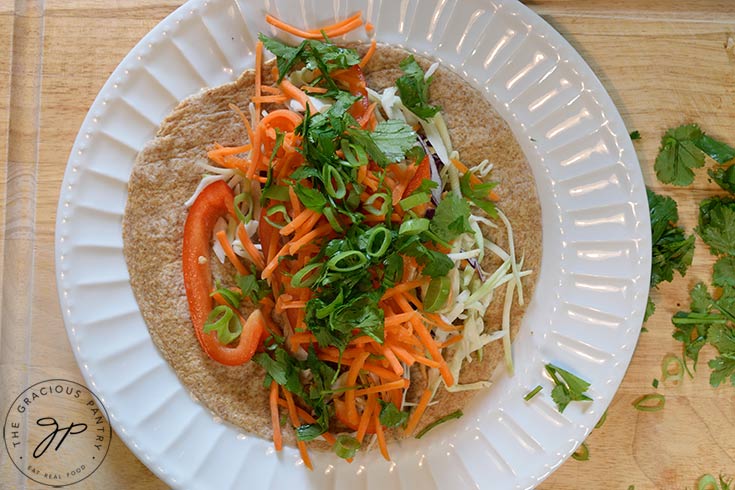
(56,432)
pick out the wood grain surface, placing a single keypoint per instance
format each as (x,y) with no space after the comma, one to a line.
(664,63)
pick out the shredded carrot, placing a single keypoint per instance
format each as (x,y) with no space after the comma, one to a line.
(270,90)
(293,414)
(295,203)
(403,355)
(450,341)
(413,420)
(275,417)
(372,402)
(323,230)
(365,59)
(297,222)
(369,27)
(314,90)
(269,99)
(381,436)
(351,380)
(245,120)
(333,30)
(365,118)
(222,239)
(403,287)
(368,366)
(268,270)
(392,385)
(255,254)
(393,360)
(258,77)
(297,94)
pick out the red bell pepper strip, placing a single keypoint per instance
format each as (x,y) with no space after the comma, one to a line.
(212,203)
(423,171)
(356,84)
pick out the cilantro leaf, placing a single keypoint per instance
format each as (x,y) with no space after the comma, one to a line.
(678,155)
(309,432)
(253,288)
(394,138)
(286,56)
(722,368)
(311,198)
(364,138)
(479,194)
(691,328)
(390,416)
(414,89)
(567,389)
(363,314)
(672,249)
(724,272)
(717,225)
(722,337)
(650,309)
(717,150)
(451,218)
(635,135)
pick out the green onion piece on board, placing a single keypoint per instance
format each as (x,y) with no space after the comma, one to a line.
(677,374)
(582,453)
(346,446)
(652,402)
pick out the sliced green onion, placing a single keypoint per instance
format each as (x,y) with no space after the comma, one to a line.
(334,184)
(347,261)
(437,293)
(332,218)
(352,201)
(415,200)
(223,321)
(654,383)
(239,199)
(276,192)
(371,200)
(582,453)
(602,420)
(230,296)
(324,312)
(454,415)
(346,446)
(652,402)
(356,155)
(707,482)
(677,376)
(532,393)
(378,233)
(413,226)
(279,208)
(299,280)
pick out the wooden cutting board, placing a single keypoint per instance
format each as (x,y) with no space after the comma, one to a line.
(664,63)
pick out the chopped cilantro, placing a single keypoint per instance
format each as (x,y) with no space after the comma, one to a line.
(451,218)
(672,249)
(724,272)
(683,149)
(394,138)
(414,89)
(635,135)
(478,194)
(390,416)
(717,224)
(724,177)
(568,387)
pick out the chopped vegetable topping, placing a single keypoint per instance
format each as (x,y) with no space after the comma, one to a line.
(649,403)
(568,387)
(357,257)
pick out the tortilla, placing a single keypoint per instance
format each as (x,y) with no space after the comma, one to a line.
(165,176)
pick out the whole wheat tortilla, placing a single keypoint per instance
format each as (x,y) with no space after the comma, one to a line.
(165,176)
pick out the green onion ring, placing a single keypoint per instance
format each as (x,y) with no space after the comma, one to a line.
(384,243)
(413,226)
(223,325)
(346,446)
(582,453)
(602,420)
(323,313)
(334,262)
(666,374)
(415,200)
(330,175)
(642,402)
(707,482)
(239,199)
(332,218)
(372,209)
(298,280)
(279,208)
(356,155)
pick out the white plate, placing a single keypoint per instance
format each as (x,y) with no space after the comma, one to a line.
(592,288)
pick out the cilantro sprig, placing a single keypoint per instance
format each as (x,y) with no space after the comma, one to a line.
(413,88)
(568,387)
(683,149)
